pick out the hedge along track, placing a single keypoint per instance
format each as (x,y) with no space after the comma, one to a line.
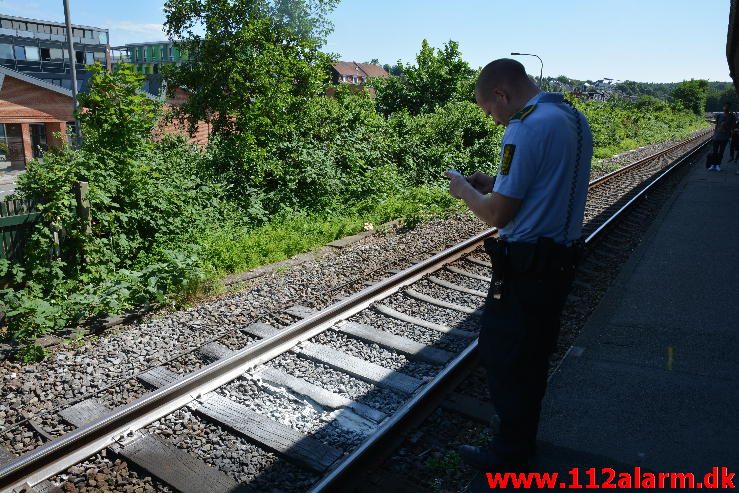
(119,429)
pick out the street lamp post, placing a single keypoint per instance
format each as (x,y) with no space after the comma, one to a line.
(541,71)
(73,71)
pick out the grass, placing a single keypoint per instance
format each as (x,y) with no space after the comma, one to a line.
(231,247)
(606,152)
(630,144)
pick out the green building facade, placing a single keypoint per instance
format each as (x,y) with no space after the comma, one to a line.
(148,58)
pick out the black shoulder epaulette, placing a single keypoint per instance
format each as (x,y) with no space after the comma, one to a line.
(521,115)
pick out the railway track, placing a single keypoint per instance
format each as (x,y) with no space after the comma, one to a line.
(397,345)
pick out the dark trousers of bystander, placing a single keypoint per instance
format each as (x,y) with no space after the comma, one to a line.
(734,147)
(719,146)
(518,334)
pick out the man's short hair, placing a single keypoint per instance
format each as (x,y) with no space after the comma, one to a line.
(502,72)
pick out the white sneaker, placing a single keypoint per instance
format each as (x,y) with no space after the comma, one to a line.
(712,168)
(718,168)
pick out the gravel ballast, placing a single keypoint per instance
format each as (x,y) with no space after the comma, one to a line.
(382,399)
(423,335)
(71,374)
(375,354)
(299,414)
(237,457)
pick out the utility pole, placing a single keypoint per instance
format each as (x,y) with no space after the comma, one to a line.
(73,69)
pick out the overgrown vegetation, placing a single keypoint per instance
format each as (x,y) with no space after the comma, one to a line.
(621,125)
(439,76)
(143,196)
(287,168)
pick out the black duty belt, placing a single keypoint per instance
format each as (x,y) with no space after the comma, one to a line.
(542,259)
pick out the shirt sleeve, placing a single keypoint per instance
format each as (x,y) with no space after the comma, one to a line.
(520,162)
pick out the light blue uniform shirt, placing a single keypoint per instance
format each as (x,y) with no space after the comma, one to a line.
(541,169)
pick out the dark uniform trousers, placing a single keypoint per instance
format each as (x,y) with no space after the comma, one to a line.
(518,334)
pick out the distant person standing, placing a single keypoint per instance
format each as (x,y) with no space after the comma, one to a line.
(724,125)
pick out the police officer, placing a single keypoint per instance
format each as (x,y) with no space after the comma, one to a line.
(537,202)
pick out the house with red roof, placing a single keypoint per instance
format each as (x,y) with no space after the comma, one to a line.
(355,73)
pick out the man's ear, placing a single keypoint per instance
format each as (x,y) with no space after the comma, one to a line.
(502,94)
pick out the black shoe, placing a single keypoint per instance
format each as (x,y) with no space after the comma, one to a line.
(485,460)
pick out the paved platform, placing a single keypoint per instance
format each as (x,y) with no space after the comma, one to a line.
(8,178)
(653,380)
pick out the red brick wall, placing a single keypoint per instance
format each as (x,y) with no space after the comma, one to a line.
(53,128)
(24,102)
(27,147)
(200,136)
(202,131)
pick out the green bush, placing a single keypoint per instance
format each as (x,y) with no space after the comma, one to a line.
(438,77)
(456,135)
(144,197)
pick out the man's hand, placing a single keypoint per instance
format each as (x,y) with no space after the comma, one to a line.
(481,182)
(493,208)
(458,183)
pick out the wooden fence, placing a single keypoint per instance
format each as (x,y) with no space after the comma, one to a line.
(17,218)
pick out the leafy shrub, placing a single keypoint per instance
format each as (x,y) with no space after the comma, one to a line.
(621,125)
(144,197)
(456,135)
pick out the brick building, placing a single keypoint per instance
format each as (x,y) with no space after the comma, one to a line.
(31,112)
(355,73)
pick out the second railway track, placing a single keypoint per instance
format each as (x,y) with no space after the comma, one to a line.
(318,393)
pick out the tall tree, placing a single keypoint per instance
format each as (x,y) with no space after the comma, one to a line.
(692,95)
(439,76)
(717,99)
(252,63)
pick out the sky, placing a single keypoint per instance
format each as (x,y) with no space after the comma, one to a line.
(642,40)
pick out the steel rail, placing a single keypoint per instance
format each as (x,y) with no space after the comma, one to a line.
(429,397)
(679,162)
(66,451)
(636,164)
(60,454)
